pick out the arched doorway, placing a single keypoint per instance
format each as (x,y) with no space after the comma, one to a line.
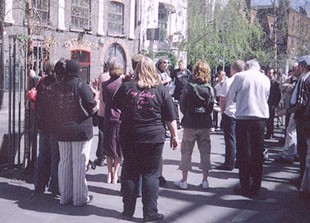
(115,50)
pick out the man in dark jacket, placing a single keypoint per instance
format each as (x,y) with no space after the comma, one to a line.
(273,101)
(46,173)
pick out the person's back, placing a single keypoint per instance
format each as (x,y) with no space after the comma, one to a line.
(43,105)
(252,88)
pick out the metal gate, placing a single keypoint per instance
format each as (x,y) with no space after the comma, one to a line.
(18,129)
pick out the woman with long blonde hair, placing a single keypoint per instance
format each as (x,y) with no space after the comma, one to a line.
(145,104)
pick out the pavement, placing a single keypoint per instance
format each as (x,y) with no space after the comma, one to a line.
(278,201)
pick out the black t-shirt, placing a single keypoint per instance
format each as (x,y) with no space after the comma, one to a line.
(144,112)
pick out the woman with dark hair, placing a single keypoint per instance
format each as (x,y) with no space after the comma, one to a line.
(75,105)
(145,104)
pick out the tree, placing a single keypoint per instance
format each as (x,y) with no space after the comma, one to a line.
(226,34)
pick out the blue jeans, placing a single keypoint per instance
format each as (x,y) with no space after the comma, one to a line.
(250,147)
(141,160)
(229,128)
(46,172)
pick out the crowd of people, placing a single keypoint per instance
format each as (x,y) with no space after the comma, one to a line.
(136,113)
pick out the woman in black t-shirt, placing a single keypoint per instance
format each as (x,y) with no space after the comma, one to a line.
(145,105)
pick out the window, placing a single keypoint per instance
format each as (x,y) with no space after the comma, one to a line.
(81,14)
(41,11)
(116,18)
(162,17)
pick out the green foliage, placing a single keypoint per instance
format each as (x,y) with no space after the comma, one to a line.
(223,35)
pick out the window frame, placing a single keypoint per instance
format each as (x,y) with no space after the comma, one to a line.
(39,11)
(116,26)
(81,10)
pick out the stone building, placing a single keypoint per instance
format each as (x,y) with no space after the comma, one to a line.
(90,31)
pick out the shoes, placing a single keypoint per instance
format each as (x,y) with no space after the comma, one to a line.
(89,199)
(99,161)
(126,216)
(181,184)
(241,192)
(267,136)
(281,159)
(162,181)
(153,218)
(224,167)
(205,184)
(266,155)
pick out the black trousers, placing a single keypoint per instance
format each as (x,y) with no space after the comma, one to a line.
(140,159)
(250,147)
(303,134)
(100,153)
(229,129)
(270,122)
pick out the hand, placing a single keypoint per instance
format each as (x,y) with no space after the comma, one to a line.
(282,112)
(174,143)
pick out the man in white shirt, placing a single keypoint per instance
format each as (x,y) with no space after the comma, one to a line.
(250,90)
(228,109)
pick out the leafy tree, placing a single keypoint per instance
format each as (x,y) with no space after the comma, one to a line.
(223,35)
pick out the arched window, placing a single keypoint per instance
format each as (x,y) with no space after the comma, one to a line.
(115,50)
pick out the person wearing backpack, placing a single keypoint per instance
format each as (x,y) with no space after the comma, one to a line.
(196,104)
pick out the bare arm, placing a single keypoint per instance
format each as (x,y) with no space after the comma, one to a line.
(222,103)
(172,125)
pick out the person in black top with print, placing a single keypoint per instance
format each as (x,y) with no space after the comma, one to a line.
(145,105)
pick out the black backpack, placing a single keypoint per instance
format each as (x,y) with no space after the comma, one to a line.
(202,101)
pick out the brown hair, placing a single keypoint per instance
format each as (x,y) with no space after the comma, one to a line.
(201,72)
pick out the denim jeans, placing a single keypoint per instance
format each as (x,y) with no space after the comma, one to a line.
(250,147)
(47,163)
(141,159)
(229,128)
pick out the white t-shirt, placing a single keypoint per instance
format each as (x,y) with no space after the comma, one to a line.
(250,90)
(230,105)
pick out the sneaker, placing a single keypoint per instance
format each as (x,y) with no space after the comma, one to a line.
(181,184)
(205,184)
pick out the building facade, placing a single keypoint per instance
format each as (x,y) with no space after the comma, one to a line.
(34,32)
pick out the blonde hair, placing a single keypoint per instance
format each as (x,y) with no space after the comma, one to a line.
(116,69)
(201,72)
(146,74)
